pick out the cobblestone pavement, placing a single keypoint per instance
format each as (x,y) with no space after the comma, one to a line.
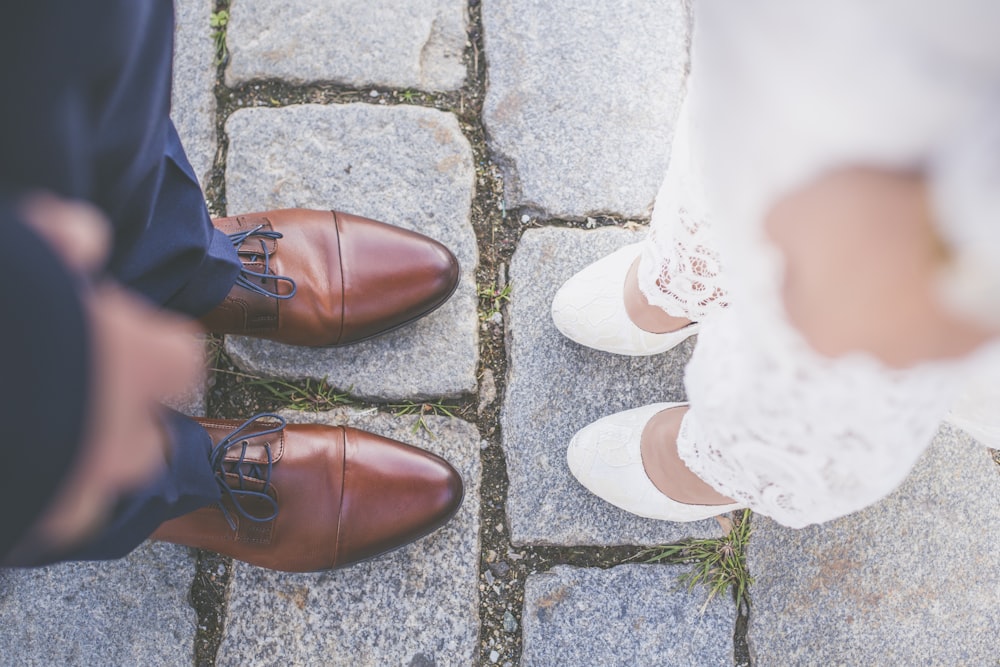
(383,109)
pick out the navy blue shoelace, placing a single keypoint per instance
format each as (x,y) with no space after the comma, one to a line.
(244,469)
(261,235)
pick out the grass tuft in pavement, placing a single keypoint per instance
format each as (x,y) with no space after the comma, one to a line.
(423,410)
(492,299)
(312,396)
(718,564)
(218,21)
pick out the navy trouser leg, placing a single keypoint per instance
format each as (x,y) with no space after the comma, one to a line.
(180,261)
(87,117)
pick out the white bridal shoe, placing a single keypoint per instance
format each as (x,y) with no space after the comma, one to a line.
(589,309)
(605,457)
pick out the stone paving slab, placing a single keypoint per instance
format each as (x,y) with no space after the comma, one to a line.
(193,401)
(912,580)
(622,617)
(129,612)
(975,409)
(193,102)
(581,103)
(407,166)
(416,606)
(414,44)
(555,387)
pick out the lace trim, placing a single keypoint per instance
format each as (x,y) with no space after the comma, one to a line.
(798,437)
(680,270)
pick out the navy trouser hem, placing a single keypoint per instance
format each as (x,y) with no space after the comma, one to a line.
(186,484)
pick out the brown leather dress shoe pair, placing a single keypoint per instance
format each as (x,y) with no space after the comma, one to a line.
(308,497)
(303,498)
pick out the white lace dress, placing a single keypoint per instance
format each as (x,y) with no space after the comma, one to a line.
(779,93)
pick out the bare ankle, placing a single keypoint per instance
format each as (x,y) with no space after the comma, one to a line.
(645,316)
(666,469)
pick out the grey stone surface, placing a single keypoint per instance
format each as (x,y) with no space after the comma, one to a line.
(128,612)
(193,103)
(193,401)
(415,44)
(190,403)
(625,616)
(556,387)
(407,166)
(912,580)
(581,104)
(415,606)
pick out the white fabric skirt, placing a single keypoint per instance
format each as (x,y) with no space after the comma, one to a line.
(779,93)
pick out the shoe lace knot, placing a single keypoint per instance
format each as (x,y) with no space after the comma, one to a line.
(252,477)
(246,276)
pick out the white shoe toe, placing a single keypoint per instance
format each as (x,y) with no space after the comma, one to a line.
(605,457)
(589,309)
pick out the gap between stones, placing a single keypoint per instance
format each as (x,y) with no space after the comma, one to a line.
(503,566)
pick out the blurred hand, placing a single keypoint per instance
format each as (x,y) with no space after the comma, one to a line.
(861,260)
(139,354)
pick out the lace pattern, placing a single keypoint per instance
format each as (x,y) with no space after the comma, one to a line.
(680,269)
(798,437)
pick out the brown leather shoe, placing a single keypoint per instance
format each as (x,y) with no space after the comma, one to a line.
(308,497)
(323,278)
